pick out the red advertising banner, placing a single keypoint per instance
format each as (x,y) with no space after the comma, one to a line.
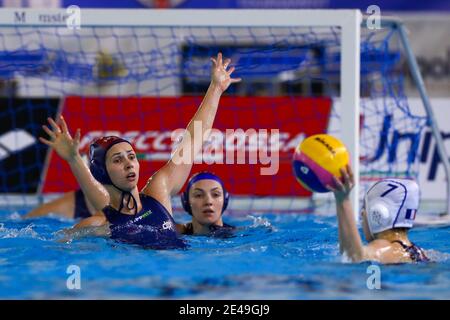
(264,132)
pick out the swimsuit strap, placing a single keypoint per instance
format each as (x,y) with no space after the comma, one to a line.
(404,246)
(189,229)
(416,254)
(130,197)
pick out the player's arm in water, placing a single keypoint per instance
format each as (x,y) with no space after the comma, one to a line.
(67,148)
(169,180)
(92,226)
(70,205)
(350,242)
(63,206)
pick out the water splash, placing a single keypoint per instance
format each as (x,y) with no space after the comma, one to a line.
(261,222)
(436,256)
(26,232)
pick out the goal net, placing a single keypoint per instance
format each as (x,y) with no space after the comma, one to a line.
(142,74)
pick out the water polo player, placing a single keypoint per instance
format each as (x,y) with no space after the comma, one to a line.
(206,199)
(71,205)
(390,207)
(111,181)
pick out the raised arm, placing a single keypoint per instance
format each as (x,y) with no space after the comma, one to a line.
(172,176)
(349,239)
(67,148)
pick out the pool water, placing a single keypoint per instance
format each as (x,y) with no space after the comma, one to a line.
(272,256)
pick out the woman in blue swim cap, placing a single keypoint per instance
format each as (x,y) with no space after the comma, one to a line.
(206,199)
(111,181)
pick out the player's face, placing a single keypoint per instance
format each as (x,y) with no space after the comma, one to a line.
(122,166)
(206,198)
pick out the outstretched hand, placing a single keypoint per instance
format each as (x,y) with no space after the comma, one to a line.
(61,140)
(220,76)
(343,188)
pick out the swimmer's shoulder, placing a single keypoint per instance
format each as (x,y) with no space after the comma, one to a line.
(157,192)
(386,252)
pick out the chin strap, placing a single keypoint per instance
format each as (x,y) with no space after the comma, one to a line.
(130,197)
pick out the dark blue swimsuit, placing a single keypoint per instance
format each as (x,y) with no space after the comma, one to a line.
(152,227)
(416,253)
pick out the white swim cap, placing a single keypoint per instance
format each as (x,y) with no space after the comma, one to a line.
(391,203)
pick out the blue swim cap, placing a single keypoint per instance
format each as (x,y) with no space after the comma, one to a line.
(97,157)
(205,175)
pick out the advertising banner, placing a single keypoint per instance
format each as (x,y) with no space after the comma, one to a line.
(22,156)
(251,147)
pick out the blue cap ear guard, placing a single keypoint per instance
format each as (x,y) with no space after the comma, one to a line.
(203,176)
